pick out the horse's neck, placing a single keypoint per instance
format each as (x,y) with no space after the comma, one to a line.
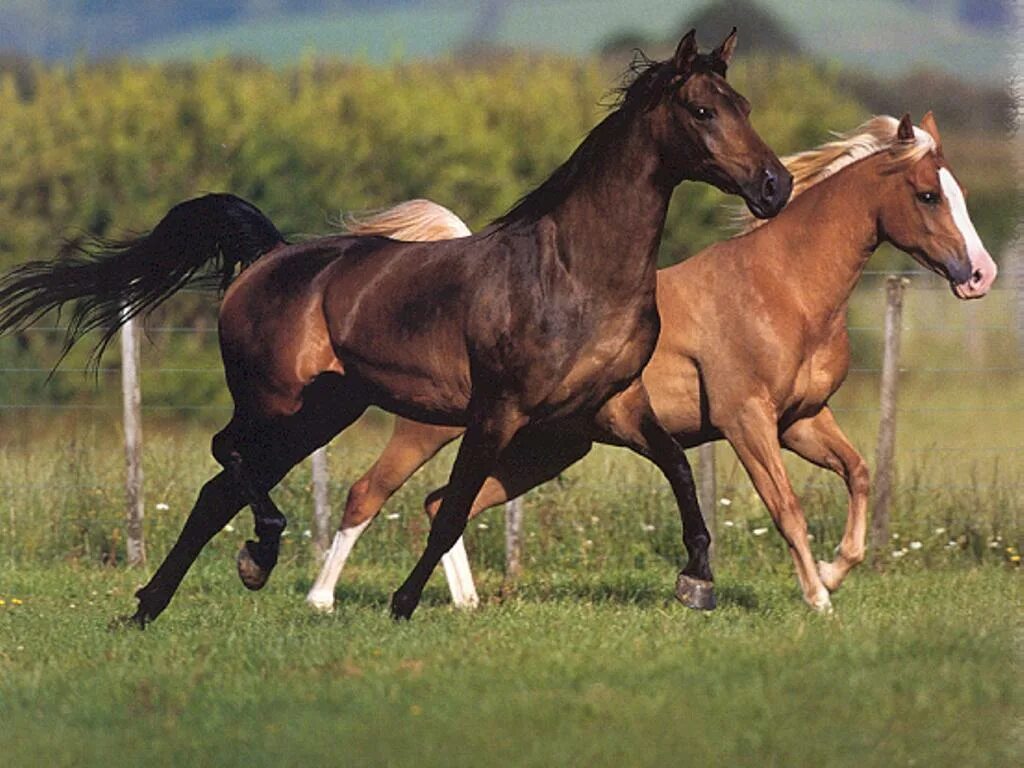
(610,226)
(824,240)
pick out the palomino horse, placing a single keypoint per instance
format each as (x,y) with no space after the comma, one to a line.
(546,317)
(750,351)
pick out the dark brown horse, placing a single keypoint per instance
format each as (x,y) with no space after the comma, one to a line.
(748,351)
(546,317)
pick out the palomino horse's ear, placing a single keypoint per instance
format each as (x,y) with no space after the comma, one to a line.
(905,130)
(928,126)
(724,52)
(686,52)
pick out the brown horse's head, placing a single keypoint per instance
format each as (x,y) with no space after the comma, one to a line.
(923,212)
(703,129)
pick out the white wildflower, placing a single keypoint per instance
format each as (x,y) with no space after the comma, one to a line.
(898,553)
(162,506)
(647,527)
(229,528)
(728,523)
(915,545)
(759,531)
(393,516)
(939,531)
(725,502)
(482,526)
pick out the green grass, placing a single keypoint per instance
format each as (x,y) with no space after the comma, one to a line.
(590,662)
(589,668)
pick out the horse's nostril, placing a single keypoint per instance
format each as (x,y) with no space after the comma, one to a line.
(976,276)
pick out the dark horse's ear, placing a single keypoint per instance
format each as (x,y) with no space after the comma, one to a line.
(723,53)
(905,130)
(686,52)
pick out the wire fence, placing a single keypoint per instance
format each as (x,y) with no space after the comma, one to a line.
(950,351)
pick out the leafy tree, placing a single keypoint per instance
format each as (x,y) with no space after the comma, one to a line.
(760,29)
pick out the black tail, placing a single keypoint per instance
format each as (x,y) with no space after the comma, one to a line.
(200,241)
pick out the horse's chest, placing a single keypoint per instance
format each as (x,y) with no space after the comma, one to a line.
(606,363)
(820,375)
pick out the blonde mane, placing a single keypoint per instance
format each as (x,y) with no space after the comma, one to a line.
(414,220)
(813,166)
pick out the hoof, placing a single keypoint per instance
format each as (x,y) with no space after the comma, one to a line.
(829,577)
(822,606)
(402,606)
(696,593)
(320,602)
(252,574)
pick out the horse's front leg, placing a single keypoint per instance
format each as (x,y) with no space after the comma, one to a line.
(628,418)
(753,433)
(486,437)
(820,440)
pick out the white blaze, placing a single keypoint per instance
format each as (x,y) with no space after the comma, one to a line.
(983,268)
(962,219)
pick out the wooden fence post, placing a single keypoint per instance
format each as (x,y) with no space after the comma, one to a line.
(321,503)
(1016,264)
(894,289)
(707,489)
(132,414)
(513,538)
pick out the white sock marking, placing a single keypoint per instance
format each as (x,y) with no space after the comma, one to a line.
(321,594)
(460,577)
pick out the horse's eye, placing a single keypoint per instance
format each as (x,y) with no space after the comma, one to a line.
(702,113)
(928,198)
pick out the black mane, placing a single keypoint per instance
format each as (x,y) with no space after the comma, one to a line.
(644,85)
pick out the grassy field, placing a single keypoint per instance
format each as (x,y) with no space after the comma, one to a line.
(589,661)
(591,668)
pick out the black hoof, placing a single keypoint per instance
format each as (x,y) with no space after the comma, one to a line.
(402,606)
(253,575)
(696,593)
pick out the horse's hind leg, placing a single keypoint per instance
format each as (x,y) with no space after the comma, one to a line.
(411,446)
(629,419)
(820,440)
(259,455)
(219,500)
(224,495)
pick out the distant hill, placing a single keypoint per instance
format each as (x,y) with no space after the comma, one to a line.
(968,39)
(881,35)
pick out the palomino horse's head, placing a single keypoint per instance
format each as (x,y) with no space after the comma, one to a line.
(925,214)
(703,130)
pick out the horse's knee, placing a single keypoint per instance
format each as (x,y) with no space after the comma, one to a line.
(223,447)
(359,506)
(860,477)
(432,504)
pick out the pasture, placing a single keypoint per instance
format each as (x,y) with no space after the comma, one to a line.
(580,667)
(589,660)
